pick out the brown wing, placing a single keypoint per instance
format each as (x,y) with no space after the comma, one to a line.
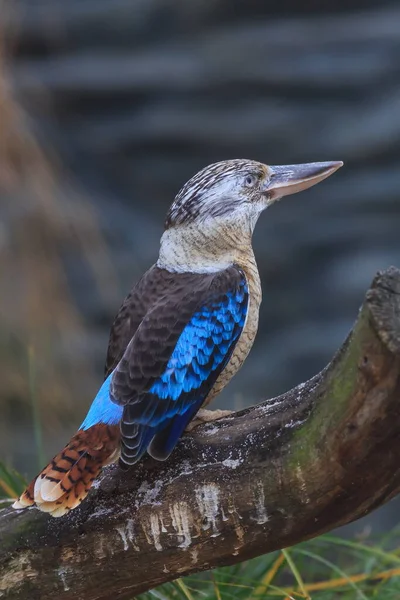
(128,319)
(145,294)
(139,301)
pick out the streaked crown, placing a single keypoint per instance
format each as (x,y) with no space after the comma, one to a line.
(215,190)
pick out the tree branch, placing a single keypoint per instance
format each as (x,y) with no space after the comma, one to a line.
(319,456)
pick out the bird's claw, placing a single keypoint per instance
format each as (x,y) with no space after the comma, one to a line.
(207,416)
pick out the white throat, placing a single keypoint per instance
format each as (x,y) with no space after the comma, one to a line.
(196,249)
(180,253)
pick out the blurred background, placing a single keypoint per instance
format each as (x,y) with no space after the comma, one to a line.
(108,107)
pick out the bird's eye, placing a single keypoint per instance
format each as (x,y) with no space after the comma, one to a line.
(250,180)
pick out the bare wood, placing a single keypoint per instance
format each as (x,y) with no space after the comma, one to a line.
(319,456)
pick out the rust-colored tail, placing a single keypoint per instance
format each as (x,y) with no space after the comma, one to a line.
(67,479)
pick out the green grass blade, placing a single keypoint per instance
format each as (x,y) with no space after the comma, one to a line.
(37,424)
(12,484)
(296,572)
(333,567)
(376,551)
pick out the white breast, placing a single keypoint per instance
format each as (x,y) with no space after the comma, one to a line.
(248,334)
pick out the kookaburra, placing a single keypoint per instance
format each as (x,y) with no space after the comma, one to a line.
(182,332)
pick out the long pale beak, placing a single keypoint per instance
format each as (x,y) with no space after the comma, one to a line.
(290,179)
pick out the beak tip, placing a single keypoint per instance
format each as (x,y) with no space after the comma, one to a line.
(331,166)
(337,164)
(334,165)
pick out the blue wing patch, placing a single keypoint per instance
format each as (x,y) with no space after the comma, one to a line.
(202,347)
(103,410)
(156,420)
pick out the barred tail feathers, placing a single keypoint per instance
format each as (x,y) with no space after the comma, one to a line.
(67,479)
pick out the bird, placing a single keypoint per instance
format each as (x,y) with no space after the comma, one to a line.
(183,331)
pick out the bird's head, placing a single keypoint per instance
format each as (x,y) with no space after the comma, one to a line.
(232,189)
(222,202)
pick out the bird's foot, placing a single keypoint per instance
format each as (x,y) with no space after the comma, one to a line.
(207,416)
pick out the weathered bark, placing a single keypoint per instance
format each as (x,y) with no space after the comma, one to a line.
(319,456)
